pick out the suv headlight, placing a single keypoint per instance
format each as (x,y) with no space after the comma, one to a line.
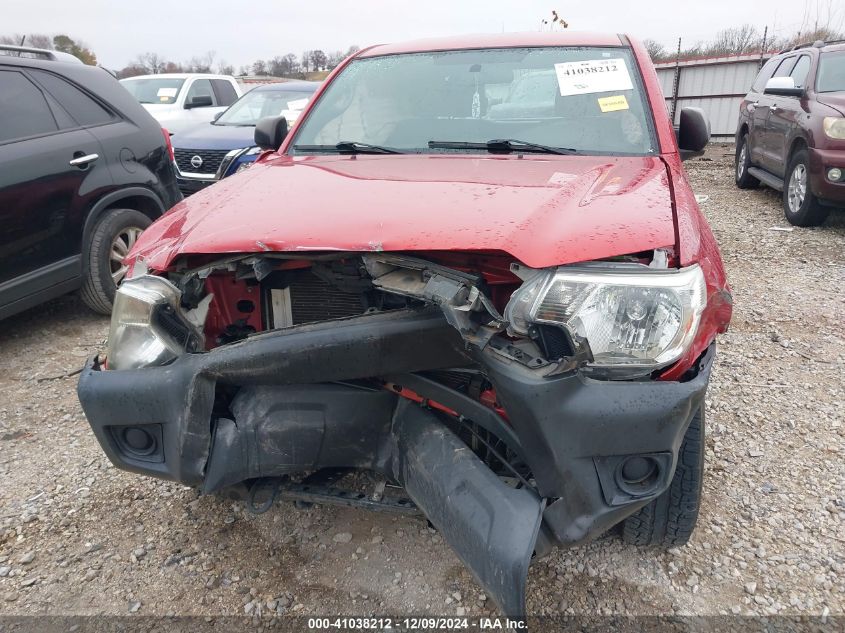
(148,326)
(631,318)
(834,127)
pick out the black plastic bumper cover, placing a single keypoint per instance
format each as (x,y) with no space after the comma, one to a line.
(573,432)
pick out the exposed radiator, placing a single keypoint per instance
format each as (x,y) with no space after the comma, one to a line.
(307,298)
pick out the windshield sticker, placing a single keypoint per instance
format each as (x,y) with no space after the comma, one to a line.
(297,104)
(167,93)
(593,75)
(612,104)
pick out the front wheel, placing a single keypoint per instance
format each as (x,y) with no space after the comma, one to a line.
(800,206)
(113,236)
(669,520)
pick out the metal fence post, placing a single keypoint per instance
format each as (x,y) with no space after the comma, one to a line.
(676,81)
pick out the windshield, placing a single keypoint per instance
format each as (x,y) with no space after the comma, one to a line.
(831,77)
(256,105)
(154,89)
(586,99)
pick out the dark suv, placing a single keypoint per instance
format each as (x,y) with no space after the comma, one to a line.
(791,132)
(83,170)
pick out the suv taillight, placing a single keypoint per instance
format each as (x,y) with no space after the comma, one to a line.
(168,144)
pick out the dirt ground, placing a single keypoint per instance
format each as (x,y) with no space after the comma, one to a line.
(78,536)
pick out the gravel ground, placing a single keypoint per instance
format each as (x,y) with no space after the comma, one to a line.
(78,536)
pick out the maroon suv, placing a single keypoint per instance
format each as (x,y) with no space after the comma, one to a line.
(791,131)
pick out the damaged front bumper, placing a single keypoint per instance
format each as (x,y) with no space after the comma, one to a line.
(297,400)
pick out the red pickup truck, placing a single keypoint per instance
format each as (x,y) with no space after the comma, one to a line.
(475,269)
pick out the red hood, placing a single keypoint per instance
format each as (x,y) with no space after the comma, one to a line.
(543,211)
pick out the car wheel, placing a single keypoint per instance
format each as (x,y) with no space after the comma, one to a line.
(669,520)
(744,180)
(113,236)
(799,204)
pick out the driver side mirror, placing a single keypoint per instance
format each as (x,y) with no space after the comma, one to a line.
(783,87)
(199,102)
(270,132)
(693,132)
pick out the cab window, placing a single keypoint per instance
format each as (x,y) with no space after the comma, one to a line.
(23,109)
(84,110)
(765,74)
(200,88)
(785,67)
(800,71)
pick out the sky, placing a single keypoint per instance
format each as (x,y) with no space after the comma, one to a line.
(241,32)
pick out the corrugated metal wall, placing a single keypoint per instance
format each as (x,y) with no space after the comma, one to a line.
(717,85)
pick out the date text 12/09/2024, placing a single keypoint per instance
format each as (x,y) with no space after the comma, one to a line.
(416,624)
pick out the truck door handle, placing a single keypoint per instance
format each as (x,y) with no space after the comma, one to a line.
(82,161)
(773,107)
(752,106)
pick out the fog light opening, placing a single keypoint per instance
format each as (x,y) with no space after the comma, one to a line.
(138,441)
(834,174)
(638,475)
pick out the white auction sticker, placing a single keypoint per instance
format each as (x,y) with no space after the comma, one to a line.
(167,92)
(593,75)
(297,104)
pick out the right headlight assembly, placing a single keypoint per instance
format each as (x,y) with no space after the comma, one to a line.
(148,326)
(632,317)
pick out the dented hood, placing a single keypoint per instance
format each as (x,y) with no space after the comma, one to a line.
(542,210)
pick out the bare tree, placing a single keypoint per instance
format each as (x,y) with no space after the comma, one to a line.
(39,40)
(318,59)
(133,70)
(333,59)
(206,61)
(820,23)
(292,64)
(152,63)
(35,40)
(738,40)
(656,51)
(259,68)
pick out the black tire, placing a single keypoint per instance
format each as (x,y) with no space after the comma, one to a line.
(99,285)
(669,520)
(742,162)
(809,212)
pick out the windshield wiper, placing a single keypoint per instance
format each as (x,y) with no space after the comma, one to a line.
(502,145)
(349,147)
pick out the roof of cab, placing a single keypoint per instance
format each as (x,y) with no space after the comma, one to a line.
(498,40)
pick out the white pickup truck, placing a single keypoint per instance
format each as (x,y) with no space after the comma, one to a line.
(181,100)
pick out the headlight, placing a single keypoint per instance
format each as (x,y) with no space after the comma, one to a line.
(147,324)
(630,318)
(834,127)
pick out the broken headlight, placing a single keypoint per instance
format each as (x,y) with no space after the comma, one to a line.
(631,317)
(148,326)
